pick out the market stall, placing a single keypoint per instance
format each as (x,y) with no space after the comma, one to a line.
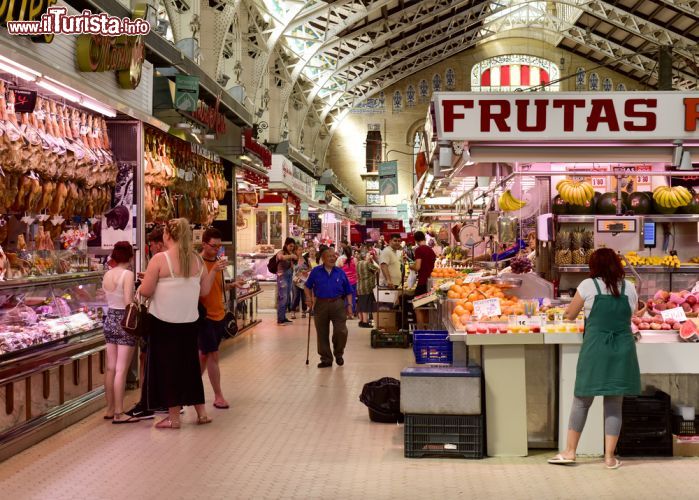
(613,171)
(70,176)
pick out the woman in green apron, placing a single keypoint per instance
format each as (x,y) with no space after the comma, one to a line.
(607,365)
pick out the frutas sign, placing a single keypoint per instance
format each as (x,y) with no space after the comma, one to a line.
(123,54)
(567,116)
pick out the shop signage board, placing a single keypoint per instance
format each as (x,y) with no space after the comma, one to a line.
(316,224)
(388,177)
(345,202)
(25,100)
(222,213)
(186,92)
(285,172)
(366,214)
(123,54)
(567,116)
(303,213)
(320,193)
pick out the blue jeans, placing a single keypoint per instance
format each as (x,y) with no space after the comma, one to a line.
(283,294)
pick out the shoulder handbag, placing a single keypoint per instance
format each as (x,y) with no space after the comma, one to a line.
(136,316)
(230,323)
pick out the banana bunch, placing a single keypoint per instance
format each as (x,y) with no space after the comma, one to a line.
(666,260)
(509,203)
(694,260)
(574,192)
(672,197)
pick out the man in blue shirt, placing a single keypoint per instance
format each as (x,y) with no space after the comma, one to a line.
(329,295)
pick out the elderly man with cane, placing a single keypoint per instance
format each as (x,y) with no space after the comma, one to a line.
(329,296)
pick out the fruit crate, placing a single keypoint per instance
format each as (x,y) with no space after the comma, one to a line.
(432,346)
(658,404)
(390,339)
(683,427)
(444,436)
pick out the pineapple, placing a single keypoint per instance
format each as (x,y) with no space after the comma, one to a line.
(578,257)
(588,245)
(563,255)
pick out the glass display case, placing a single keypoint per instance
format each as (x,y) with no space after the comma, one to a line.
(254,265)
(36,312)
(52,359)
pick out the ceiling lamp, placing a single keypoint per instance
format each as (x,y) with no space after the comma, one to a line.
(55,89)
(98,107)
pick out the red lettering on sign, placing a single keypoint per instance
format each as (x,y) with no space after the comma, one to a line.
(498,117)
(450,115)
(568,106)
(523,106)
(691,114)
(602,112)
(631,112)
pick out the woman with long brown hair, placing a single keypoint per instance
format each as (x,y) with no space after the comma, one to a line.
(607,365)
(174,280)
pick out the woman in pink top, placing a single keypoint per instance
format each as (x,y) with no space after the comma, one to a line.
(349,266)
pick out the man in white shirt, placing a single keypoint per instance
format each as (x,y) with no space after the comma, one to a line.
(390,260)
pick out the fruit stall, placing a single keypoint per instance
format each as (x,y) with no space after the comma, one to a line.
(552,203)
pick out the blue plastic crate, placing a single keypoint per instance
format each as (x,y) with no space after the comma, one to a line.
(432,346)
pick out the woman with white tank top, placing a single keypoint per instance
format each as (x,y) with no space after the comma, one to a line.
(174,280)
(118,289)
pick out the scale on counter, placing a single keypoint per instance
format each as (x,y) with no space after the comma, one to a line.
(620,233)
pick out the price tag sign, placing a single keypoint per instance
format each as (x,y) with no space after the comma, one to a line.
(473,278)
(676,314)
(599,183)
(487,307)
(643,181)
(522,320)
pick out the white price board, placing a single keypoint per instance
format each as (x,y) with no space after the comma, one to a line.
(522,320)
(473,278)
(487,307)
(599,183)
(676,314)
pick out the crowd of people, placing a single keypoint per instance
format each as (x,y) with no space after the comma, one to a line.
(188,298)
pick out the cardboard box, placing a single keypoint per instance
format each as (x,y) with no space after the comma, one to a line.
(387,321)
(685,446)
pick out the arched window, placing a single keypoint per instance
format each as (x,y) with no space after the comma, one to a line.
(514,72)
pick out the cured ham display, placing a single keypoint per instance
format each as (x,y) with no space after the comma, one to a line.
(55,160)
(180,182)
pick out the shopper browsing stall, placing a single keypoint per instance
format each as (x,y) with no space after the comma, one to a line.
(329,295)
(608,365)
(390,261)
(285,262)
(301,272)
(423,265)
(118,285)
(367,269)
(349,266)
(175,280)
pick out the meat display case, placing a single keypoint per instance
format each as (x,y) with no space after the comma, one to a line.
(51,355)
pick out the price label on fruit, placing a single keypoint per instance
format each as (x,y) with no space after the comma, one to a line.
(677,314)
(473,278)
(522,320)
(486,307)
(599,183)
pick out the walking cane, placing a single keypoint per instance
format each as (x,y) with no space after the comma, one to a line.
(308,341)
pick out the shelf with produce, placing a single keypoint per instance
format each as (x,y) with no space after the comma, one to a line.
(583,219)
(685,268)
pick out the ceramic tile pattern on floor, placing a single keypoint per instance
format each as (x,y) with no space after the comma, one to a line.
(294,431)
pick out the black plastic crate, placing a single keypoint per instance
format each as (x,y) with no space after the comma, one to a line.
(444,436)
(645,435)
(657,404)
(683,427)
(390,339)
(645,447)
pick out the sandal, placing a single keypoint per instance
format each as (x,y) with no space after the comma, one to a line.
(203,420)
(129,420)
(108,417)
(561,460)
(168,423)
(616,465)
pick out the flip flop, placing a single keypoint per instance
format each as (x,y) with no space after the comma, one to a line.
(560,460)
(129,420)
(107,417)
(617,464)
(221,406)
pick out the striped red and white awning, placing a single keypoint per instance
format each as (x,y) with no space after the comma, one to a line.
(514,75)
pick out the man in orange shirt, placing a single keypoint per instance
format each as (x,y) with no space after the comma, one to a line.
(212,330)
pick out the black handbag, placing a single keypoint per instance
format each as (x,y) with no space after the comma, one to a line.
(230,329)
(135,317)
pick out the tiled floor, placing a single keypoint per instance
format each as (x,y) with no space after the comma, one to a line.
(295,431)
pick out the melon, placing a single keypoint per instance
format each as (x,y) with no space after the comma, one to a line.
(587,209)
(640,203)
(663,210)
(559,206)
(692,207)
(607,204)
(688,331)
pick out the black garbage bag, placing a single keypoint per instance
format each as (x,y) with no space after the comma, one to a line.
(382,397)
